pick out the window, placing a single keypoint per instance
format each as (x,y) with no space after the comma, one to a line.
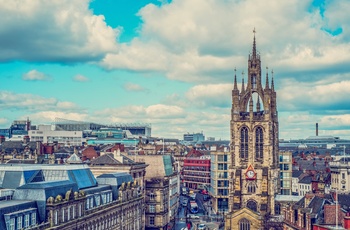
(152,196)
(251,204)
(152,208)
(151,220)
(244,224)
(26,221)
(251,187)
(91,202)
(253,77)
(63,217)
(244,143)
(343,176)
(19,222)
(98,200)
(33,218)
(259,143)
(80,210)
(87,204)
(12,224)
(68,213)
(73,211)
(56,218)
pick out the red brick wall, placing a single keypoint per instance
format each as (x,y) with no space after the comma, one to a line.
(330,214)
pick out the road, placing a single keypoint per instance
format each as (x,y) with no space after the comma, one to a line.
(202,213)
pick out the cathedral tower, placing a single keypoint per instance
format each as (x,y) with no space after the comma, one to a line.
(254,149)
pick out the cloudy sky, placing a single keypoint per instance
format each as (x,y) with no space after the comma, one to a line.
(171,63)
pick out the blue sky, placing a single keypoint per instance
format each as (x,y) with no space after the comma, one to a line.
(171,63)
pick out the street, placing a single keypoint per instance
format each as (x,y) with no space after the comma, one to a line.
(204,213)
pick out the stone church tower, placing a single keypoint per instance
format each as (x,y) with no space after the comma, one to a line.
(254,149)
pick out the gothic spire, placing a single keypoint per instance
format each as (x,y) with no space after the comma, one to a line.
(242,91)
(258,105)
(254,45)
(235,83)
(272,83)
(267,78)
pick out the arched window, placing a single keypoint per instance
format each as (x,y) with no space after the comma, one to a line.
(251,187)
(244,224)
(251,204)
(244,143)
(259,143)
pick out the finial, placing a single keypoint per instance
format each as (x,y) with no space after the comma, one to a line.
(254,44)
(242,91)
(258,105)
(267,78)
(235,82)
(272,83)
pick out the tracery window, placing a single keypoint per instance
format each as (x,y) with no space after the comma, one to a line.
(251,187)
(244,224)
(259,143)
(244,143)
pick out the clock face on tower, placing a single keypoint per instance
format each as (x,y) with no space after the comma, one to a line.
(250,173)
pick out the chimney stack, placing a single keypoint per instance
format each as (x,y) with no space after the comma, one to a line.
(316,129)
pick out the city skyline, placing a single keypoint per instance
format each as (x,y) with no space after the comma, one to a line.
(172,64)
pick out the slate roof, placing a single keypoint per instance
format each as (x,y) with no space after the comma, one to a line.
(106,159)
(306,180)
(344,200)
(296,173)
(316,205)
(41,191)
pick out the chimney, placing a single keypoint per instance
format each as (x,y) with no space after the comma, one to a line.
(316,129)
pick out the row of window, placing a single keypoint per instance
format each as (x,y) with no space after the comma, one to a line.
(98,199)
(68,214)
(22,221)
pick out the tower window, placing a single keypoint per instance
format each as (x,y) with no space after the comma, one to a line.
(251,204)
(244,224)
(244,143)
(259,143)
(251,187)
(253,81)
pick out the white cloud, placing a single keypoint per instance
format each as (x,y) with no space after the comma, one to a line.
(134,87)
(30,102)
(80,78)
(47,117)
(34,75)
(204,39)
(210,95)
(3,121)
(66,31)
(294,95)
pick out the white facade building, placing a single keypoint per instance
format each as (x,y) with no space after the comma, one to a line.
(45,134)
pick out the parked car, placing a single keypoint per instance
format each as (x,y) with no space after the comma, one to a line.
(202,227)
(192,216)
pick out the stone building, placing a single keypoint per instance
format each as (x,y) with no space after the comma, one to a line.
(254,149)
(68,197)
(162,184)
(117,162)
